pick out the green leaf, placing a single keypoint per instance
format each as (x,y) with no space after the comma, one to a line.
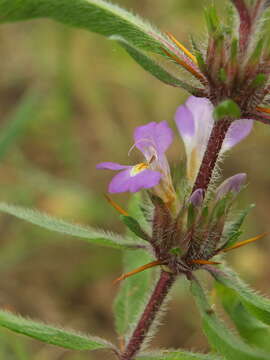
(50,334)
(151,65)
(227,108)
(176,355)
(109,20)
(220,337)
(134,227)
(95,236)
(98,16)
(134,291)
(232,232)
(24,113)
(256,304)
(252,330)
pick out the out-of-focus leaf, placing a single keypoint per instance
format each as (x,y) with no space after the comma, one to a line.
(50,334)
(176,355)
(219,336)
(251,329)
(24,113)
(256,304)
(94,236)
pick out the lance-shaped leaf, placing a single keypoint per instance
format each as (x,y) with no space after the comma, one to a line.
(154,67)
(95,236)
(219,336)
(256,304)
(176,355)
(51,334)
(98,16)
(252,330)
(109,20)
(232,230)
(136,290)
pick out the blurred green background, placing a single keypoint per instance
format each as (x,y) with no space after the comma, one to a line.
(80,97)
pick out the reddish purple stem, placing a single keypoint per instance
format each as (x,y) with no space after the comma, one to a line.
(245,24)
(159,294)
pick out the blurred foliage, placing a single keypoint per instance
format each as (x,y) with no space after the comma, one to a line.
(91,96)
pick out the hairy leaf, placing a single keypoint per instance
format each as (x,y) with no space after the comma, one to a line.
(232,230)
(98,16)
(94,236)
(176,355)
(134,291)
(219,336)
(256,304)
(251,329)
(151,65)
(135,35)
(50,334)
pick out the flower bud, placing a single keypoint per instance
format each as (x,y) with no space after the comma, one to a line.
(232,184)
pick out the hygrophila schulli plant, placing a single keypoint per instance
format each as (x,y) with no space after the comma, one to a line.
(180,223)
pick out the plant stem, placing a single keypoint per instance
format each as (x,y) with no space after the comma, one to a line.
(151,310)
(211,154)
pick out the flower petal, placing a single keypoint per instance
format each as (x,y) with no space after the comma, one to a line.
(124,182)
(153,136)
(232,184)
(237,132)
(197,197)
(112,166)
(195,121)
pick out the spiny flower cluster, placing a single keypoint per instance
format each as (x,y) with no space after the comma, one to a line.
(236,62)
(187,227)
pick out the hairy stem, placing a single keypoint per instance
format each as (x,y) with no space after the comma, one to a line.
(211,154)
(245,24)
(151,310)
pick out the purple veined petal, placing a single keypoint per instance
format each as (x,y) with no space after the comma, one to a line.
(185,123)
(153,136)
(124,182)
(112,166)
(232,184)
(195,122)
(237,132)
(197,197)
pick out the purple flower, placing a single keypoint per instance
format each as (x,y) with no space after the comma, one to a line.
(195,121)
(196,198)
(232,184)
(152,140)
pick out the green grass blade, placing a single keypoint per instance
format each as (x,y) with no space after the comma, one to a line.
(219,336)
(16,123)
(256,304)
(252,330)
(50,334)
(95,236)
(177,355)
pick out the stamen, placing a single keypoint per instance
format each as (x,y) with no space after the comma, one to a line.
(185,65)
(245,242)
(263,109)
(204,262)
(116,206)
(136,169)
(137,271)
(182,47)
